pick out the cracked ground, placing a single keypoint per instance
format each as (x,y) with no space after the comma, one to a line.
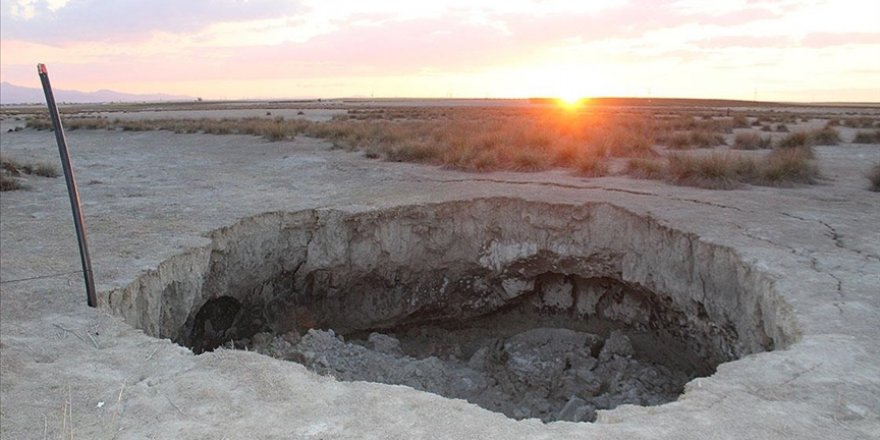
(152,195)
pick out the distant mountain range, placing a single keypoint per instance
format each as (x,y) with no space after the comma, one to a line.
(13,94)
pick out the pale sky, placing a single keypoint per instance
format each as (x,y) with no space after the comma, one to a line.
(785,50)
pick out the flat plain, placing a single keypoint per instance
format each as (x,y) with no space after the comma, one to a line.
(784,190)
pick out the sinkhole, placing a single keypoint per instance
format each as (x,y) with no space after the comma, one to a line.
(533,310)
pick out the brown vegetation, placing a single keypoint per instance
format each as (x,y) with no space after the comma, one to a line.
(751,141)
(874,177)
(9,169)
(535,138)
(468,139)
(867,137)
(729,170)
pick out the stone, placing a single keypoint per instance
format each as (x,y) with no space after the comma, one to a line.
(617,344)
(385,344)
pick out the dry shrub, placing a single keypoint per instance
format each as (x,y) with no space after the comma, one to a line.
(797,139)
(38,124)
(740,121)
(703,138)
(728,170)
(712,171)
(645,168)
(751,141)
(8,183)
(14,168)
(860,122)
(786,166)
(874,178)
(867,137)
(592,165)
(825,136)
(805,140)
(44,170)
(9,169)
(679,140)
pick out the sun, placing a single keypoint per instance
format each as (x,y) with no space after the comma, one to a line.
(571,101)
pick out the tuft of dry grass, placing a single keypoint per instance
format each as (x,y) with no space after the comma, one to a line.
(797,139)
(592,165)
(740,121)
(728,170)
(711,171)
(8,183)
(695,138)
(43,170)
(786,166)
(874,177)
(751,141)
(825,136)
(11,168)
(645,168)
(867,137)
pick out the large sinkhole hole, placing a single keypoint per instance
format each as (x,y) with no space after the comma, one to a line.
(530,309)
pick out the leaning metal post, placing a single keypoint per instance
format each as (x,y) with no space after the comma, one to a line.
(72,189)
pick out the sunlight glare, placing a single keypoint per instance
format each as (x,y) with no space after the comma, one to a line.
(571,101)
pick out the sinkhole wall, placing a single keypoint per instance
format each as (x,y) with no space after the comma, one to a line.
(457,260)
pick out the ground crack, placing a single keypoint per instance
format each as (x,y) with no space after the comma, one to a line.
(571,186)
(834,235)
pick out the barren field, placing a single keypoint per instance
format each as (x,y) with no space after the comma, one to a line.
(444,269)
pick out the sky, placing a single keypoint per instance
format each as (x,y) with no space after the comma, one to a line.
(770,50)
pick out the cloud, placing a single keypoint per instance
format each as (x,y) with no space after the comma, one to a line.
(60,21)
(826,39)
(746,41)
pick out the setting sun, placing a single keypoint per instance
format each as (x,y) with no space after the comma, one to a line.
(571,101)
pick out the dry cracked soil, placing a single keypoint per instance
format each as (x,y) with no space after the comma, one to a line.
(361,271)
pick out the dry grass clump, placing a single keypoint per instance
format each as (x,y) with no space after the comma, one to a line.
(874,177)
(783,167)
(740,121)
(751,141)
(15,168)
(8,183)
(867,137)
(860,122)
(805,140)
(10,169)
(712,171)
(645,168)
(592,165)
(728,170)
(825,136)
(797,139)
(694,138)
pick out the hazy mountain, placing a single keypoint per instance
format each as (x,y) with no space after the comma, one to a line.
(13,94)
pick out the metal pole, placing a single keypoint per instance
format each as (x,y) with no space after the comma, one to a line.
(72,189)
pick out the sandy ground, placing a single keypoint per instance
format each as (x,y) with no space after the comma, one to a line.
(68,370)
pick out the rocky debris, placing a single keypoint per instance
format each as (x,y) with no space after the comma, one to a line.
(546,373)
(616,345)
(385,344)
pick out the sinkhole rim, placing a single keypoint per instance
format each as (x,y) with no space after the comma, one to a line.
(502,236)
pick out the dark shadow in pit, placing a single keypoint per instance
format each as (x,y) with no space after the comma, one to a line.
(568,348)
(214,324)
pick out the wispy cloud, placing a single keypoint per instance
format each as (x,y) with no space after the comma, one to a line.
(260,47)
(63,21)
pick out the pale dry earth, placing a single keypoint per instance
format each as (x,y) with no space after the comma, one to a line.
(151,195)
